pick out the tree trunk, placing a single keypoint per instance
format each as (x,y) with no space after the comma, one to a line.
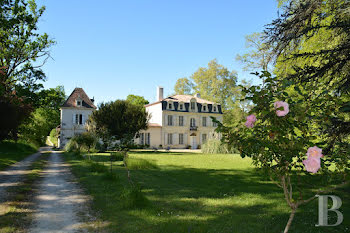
(127,170)
(290,220)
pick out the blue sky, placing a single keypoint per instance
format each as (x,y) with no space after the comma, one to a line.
(113,48)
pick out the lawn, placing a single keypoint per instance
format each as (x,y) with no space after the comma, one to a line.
(198,193)
(11,152)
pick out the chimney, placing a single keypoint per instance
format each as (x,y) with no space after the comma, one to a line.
(197,95)
(93,100)
(160,91)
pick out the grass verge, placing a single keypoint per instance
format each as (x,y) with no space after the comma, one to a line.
(15,213)
(196,193)
(12,152)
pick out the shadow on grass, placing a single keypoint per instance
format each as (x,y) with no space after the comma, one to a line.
(202,200)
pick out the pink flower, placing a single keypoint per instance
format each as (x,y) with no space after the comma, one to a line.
(251,118)
(312,164)
(314,152)
(249,124)
(285,106)
(250,121)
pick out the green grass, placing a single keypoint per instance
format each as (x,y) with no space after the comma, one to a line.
(16,213)
(197,193)
(11,152)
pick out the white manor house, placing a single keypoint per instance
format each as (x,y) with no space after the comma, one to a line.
(178,121)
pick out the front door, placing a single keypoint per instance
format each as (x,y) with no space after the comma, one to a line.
(193,142)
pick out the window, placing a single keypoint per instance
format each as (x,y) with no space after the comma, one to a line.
(214,109)
(204,138)
(148,138)
(215,124)
(181,121)
(193,105)
(78,119)
(181,107)
(181,138)
(204,121)
(204,108)
(78,103)
(170,120)
(193,122)
(170,139)
(170,106)
(142,138)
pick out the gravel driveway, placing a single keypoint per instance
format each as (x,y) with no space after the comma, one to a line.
(60,202)
(13,175)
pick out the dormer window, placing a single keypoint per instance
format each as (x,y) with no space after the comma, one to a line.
(193,105)
(214,108)
(181,107)
(79,102)
(170,106)
(204,108)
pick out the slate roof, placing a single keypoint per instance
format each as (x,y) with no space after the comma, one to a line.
(186,99)
(79,93)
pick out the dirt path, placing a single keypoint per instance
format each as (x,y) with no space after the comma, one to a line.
(60,202)
(13,175)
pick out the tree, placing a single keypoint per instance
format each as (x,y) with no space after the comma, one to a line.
(119,120)
(280,137)
(216,83)
(137,100)
(259,55)
(311,40)
(183,86)
(23,51)
(37,126)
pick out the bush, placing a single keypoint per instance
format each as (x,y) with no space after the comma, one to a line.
(134,163)
(82,142)
(54,137)
(215,146)
(133,197)
(71,146)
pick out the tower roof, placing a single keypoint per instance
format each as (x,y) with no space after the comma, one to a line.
(79,94)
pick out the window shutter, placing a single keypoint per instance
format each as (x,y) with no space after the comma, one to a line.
(166,119)
(73,119)
(185,139)
(165,139)
(175,139)
(83,119)
(176,120)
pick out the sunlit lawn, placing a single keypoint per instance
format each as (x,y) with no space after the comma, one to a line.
(199,193)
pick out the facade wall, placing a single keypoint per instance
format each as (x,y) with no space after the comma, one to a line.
(160,135)
(68,126)
(156,113)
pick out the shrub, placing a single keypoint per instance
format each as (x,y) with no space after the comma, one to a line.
(71,146)
(133,197)
(134,163)
(215,146)
(54,137)
(81,142)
